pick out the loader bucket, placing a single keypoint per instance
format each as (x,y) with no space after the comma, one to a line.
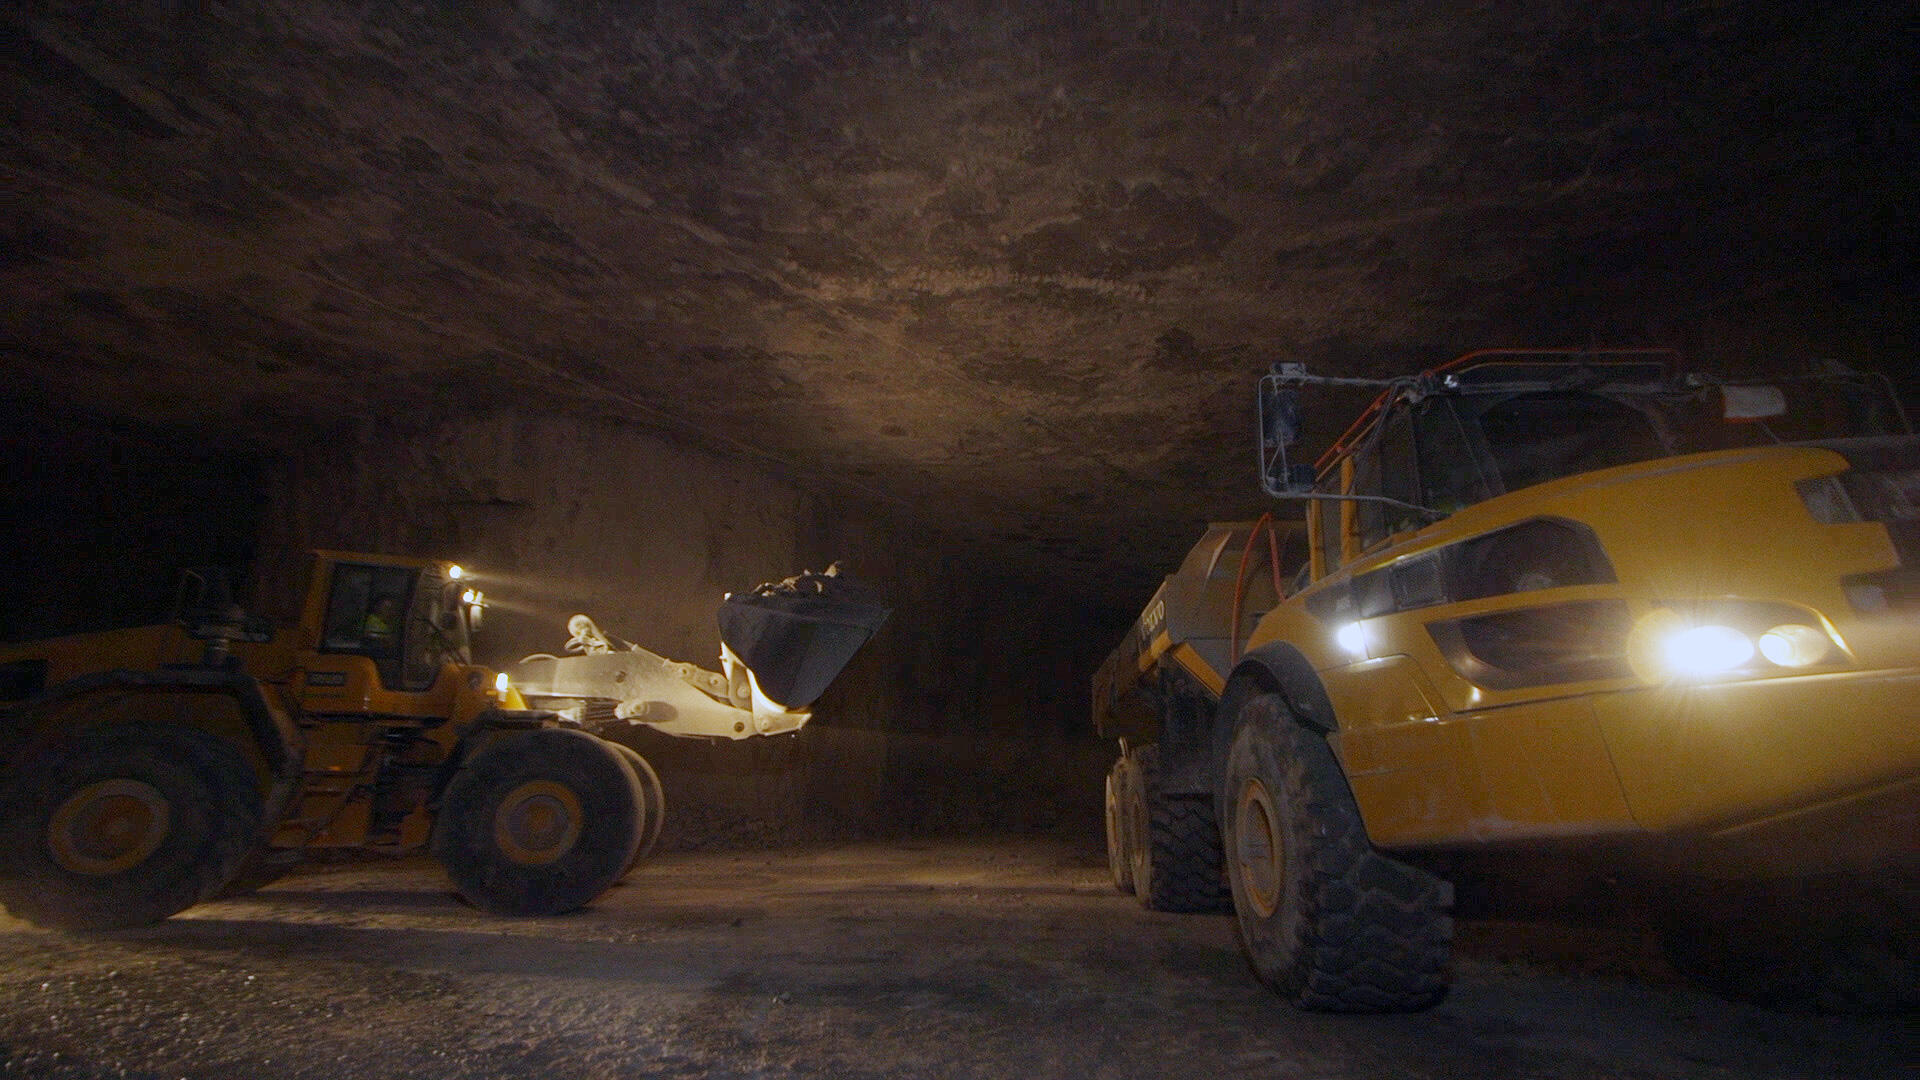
(796,635)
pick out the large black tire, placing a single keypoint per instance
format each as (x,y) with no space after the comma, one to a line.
(653,805)
(539,823)
(1176,864)
(124,825)
(1327,921)
(1119,842)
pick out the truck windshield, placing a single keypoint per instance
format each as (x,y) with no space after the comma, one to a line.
(1532,437)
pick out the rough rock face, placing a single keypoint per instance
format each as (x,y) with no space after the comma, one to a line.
(1010,266)
(562,516)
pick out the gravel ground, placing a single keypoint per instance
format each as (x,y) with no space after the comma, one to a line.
(1010,959)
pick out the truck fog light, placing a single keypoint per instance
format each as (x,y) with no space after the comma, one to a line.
(1793,645)
(1705,650)
(1353,638)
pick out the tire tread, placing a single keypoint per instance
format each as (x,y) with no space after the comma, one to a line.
(1372,933)
(1184,856)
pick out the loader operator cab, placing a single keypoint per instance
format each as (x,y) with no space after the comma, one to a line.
(408,621)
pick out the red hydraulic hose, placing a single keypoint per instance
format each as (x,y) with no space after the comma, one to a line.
(1240,578)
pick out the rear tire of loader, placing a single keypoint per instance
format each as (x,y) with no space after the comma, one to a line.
(1327,921)
(653,805)
(124,826)
(540,823)
(1176,862)
(1119,841)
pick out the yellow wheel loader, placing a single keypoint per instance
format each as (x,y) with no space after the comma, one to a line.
(147,769)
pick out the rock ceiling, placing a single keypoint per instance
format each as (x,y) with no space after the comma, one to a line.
(1012,266)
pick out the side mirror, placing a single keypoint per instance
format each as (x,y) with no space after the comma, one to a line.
(1283,480)
(1279,415)
(1279,430)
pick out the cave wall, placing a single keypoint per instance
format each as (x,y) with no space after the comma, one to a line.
(98,518)
(967,711)
(553,517)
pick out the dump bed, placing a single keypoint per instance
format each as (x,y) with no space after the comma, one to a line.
(1187,624)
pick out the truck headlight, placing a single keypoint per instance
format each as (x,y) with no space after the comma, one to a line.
(1544,553)
(1567,642)
(1728,638)
(1700,651)
(1792,645)
(1353,638)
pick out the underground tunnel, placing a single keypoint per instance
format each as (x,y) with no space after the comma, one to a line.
(628,309)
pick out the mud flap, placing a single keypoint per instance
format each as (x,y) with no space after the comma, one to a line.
(796,635)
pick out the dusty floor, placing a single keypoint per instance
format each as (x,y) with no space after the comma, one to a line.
(1006,959)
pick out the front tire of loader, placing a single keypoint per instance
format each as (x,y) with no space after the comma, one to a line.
(1328,922)
(540,823)
(124,826)
(1176,863)
(1119,842)
(653,804)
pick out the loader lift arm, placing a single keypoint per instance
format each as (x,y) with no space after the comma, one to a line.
(782,643)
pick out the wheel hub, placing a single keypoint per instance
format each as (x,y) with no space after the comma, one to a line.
(538,822)
(1258,855)
(109,827)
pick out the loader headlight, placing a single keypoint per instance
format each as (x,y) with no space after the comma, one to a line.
(454,573)
(502,684)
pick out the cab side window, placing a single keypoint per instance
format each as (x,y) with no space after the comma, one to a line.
(1389,471)
(434,635)
(1386,467)
(367,615)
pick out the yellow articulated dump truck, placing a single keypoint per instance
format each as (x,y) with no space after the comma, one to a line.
(1546,608)
(147,769)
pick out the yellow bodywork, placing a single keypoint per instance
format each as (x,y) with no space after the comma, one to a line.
(341,724)
(1803,771)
